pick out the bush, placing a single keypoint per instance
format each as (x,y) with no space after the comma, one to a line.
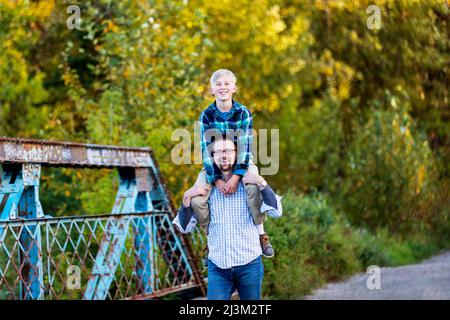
(371,252)
(390,176)
(313,245)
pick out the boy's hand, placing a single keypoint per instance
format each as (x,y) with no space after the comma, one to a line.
(220,184)
(253,178)
(232,184)
(193,192)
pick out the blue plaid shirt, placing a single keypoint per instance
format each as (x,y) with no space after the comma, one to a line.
(238,121)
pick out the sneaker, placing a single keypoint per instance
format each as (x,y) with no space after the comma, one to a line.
(266,247)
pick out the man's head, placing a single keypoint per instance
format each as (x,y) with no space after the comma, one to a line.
(223,84)
(224,154)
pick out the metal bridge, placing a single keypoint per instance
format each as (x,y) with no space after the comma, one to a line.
(132,253)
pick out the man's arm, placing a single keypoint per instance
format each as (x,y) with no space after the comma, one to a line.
(185,220)
(271,202)
(212,172)
(244,142)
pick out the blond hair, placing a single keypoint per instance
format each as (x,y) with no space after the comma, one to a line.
(220,73)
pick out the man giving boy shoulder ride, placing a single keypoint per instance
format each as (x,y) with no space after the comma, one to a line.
(226,116)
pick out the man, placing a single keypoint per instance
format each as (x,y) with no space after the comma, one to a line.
(233,239)
(223,116)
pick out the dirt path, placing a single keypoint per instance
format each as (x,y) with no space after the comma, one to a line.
(427,280)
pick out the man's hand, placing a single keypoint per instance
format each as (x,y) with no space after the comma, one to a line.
(193,192)
(253,178)
(232,184)
(220,184)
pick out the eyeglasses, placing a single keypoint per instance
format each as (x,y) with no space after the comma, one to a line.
(228,152)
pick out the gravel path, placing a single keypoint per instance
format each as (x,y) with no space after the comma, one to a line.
(429,280)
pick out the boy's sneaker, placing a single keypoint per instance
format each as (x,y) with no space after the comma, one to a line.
(266,247)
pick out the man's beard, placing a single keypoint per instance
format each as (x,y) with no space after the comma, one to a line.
(225,167)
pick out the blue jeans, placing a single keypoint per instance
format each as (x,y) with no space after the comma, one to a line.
(247,279)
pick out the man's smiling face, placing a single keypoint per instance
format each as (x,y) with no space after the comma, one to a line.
(224,153)
(223,88)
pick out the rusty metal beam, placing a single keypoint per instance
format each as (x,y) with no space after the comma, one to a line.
(70,154)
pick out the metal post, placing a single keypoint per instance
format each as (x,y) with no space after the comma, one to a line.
(143,245)
(113,242)
(30,257)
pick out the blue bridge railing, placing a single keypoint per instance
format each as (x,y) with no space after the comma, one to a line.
(132,253)
(68,261)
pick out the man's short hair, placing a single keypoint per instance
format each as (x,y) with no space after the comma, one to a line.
(219,73)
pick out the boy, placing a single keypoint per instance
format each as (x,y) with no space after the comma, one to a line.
(226,116)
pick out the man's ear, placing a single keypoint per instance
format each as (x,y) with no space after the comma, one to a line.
(211,91)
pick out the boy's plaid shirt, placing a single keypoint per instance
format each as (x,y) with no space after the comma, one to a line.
(238,124)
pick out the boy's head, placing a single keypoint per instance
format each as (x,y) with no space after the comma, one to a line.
(223,84)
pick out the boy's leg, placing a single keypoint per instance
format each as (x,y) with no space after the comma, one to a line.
(260,228)
(254,202)
(200,207)
(254,197)
(199,204)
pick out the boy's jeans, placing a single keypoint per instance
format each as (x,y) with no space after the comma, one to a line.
(200,205)
(247,279)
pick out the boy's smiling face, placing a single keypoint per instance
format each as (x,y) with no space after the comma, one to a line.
(223,88)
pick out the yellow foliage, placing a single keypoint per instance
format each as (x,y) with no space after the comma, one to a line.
(110,27)
(420,178)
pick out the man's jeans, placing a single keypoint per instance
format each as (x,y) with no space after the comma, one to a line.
(247,279)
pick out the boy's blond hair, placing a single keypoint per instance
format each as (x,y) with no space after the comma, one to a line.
(220,73)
